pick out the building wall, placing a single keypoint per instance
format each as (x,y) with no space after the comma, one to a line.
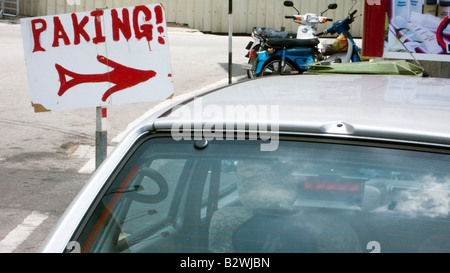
(211,15)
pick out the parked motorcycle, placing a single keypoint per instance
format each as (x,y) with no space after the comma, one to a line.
(342,27)
(285,55)
(260,35)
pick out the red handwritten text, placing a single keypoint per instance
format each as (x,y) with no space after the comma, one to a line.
(123,23)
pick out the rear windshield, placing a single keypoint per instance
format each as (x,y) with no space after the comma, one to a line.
(229,196)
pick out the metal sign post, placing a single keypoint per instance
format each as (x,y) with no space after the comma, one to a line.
(230,41)
(101,136)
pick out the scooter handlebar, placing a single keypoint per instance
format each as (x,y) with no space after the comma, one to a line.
(320,33)
(289,17)
(334,28)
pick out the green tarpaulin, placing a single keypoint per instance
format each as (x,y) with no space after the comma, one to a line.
(400,67)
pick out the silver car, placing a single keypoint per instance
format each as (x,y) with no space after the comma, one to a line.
(308,163)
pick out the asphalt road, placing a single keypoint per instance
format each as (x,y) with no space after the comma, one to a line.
(42,155)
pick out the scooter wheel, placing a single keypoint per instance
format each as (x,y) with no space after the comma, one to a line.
(274,68)
(251,73)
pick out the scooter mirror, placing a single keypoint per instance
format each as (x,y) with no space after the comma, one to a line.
(288,4)
(331,6)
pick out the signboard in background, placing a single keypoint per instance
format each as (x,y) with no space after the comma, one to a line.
(419,27)
(98,58)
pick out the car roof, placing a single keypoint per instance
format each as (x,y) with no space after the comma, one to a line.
(372,106)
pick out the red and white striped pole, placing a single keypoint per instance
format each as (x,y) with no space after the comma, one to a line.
(101,136)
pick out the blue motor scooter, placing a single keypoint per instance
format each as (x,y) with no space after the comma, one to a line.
(294,56)
(277,55)
(353,51)
(260,35)
(286,56)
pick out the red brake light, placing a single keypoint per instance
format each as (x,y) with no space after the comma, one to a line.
(339,185)
(334,188)
(252,54)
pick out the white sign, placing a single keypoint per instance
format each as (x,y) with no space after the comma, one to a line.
(97,58)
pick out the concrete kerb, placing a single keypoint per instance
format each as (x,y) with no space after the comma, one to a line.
(182,28)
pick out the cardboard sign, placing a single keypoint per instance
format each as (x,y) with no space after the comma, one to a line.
(97,58)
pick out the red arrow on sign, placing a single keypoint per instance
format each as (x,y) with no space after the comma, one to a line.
(121,76)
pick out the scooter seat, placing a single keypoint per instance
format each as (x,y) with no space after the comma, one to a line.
(272,33)
(280,42)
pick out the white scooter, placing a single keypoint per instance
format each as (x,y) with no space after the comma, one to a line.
(307,28)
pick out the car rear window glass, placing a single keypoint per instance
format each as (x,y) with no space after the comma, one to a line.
(305,196)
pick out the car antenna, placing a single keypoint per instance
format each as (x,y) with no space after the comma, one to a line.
(424,73)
